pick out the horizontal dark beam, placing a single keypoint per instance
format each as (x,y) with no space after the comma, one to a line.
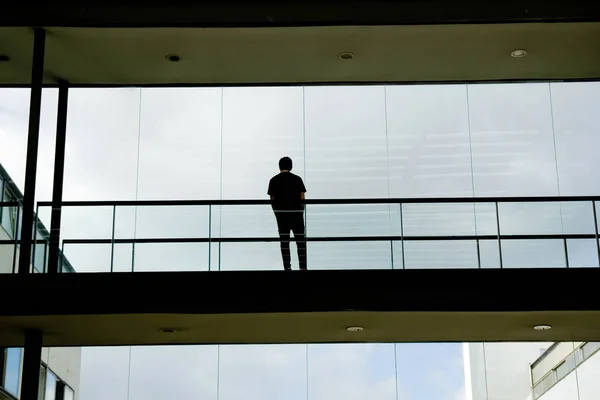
(397,200)
(233,292)
(262,13)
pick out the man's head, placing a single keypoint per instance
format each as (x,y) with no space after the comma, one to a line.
(285,164)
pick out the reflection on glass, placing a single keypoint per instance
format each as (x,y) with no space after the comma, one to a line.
(50,385)
(577,136)
(546,253)
(351,371)
(350,255)
(512,141)
(180,144)
(191,372)
(7,259)
(428,141)
(262,372)
(12,373)
(170,257)
(456,254)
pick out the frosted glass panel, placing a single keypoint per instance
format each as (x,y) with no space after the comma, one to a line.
(102,143)
(512,140)
(428,141)
(577,133)
(350,255)
(180,144)
(346,151)
(440,254)
(260,125)
(548,253)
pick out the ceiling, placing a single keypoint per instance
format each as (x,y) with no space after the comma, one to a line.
(291,55)
(324,327)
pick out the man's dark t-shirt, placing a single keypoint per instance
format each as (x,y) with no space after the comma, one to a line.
(286,189)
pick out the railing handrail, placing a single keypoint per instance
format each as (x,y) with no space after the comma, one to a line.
(409,200)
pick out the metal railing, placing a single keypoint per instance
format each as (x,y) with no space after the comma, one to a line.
(396,204)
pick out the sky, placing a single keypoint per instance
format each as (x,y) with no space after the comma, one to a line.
(346,142)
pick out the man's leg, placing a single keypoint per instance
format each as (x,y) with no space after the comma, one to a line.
(298,229)
(284,239)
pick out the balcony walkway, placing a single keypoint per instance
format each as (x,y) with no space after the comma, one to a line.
(301,307)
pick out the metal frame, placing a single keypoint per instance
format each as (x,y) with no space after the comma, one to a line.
(498,236)
(32,357)
(59,172)
(37,75)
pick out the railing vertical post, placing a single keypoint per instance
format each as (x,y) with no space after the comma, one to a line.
(566,252)
(34,242)
(33,138)
(596,229)
(59,173)
(16,237)
(402,237)
(499,235)
(112,239)
(209,235)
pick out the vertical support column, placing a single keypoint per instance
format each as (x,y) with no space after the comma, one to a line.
(32,357)
(35,107)
(59,173)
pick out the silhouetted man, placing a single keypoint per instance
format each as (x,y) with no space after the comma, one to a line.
(287,199)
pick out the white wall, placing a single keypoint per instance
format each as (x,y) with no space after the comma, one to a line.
(501,371)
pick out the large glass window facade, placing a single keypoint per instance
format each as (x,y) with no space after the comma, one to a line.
(385,141)
(357,371)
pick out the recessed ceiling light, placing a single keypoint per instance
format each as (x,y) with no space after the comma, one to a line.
(168,330)
(518,53)
(4,58)
(354,328)
(345,55)
(173,57)
(542,327)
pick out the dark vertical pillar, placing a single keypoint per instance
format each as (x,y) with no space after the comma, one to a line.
(32,357)
(35,106)
(59,172)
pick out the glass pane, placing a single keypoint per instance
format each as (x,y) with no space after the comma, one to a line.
(530,218)
(42,384)
(346,147)
(512,140)
(549,253)
(350,255)
(7,259)
(428,141)
(577,135)
(260,125)
(440,254)
(100,365)
(180,144)
(101,161)
(345,220)
(50,386)
(170,257)
(14,122)
(263,372)
(253,257)
(438,219)
(351,371)
(430,371)
(582,253)
(191,373)
(69,394)
(12,373)
(88,257)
